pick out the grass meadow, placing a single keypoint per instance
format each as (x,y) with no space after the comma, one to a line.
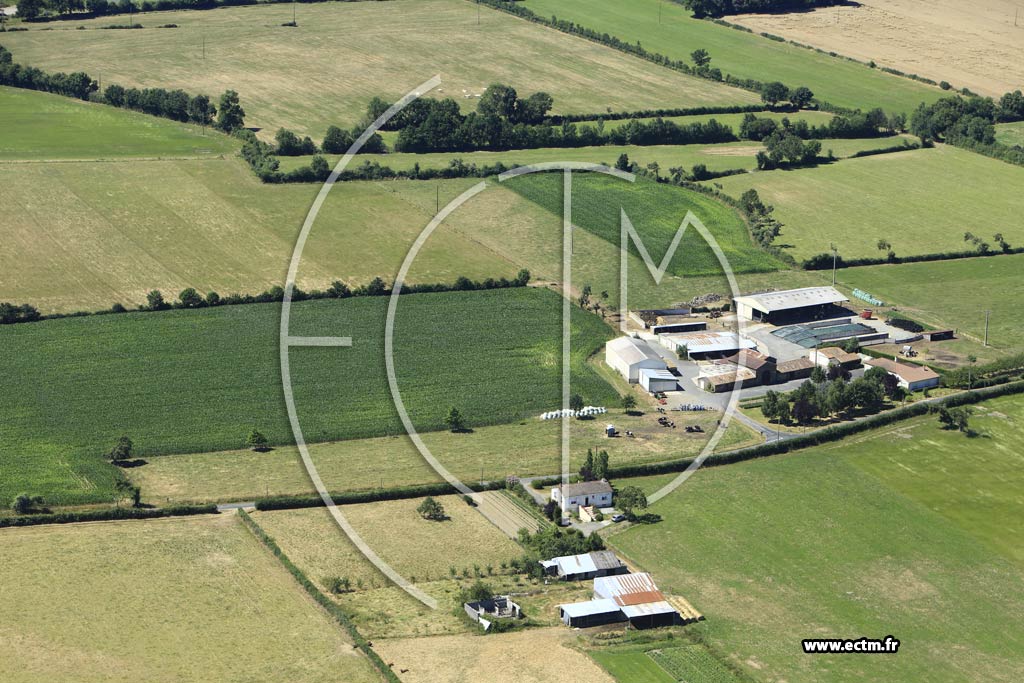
(49,127)
(337,47)
(656,212)
(908,530)
(161,600)
(1010,133)
(76,384)
(921,201)
(717,157)
(952,294)
(530,447)
(670,29)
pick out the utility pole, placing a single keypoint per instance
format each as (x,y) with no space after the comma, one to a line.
(835,256)
(477,12)
(437,199)
(293,12)
(660,3)
(987,314)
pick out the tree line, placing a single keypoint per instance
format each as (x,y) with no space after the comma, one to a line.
(718,8)
(177,105)
(831,393)
(191,298)
(969,122)
(49,10)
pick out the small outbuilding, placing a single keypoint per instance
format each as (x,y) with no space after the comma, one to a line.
(584,567)
(704,345)
(628,356)
(658,380)
(833,355)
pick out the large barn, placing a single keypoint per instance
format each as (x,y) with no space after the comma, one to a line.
(791,305)
(628,356)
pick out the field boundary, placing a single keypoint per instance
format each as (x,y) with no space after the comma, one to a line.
(108,515)
(325,602)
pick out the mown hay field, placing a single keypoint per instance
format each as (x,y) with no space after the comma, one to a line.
(899,531)
(350,52)
(75,385)
(921,201)
(490,453)
(82,236)
(161,600)
(39,126)
(670,29)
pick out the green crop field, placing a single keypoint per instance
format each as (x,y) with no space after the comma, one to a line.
(676,34)
(952,294)
(75,385)
(326,70)
(631,667)
(692,663)
(162,600)
(921,201)
(908,530)
(41,126)
(656,212)
(1010,133)
(717,157)
(483,454)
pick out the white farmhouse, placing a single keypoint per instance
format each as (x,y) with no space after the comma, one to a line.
(628,356)
(569,497)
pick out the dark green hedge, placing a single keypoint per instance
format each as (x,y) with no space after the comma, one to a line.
(329,605)
(370,496)
(109,514)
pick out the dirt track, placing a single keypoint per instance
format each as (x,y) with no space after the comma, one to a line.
(972,44)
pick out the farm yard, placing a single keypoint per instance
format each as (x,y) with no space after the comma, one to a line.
(670,29)
(179,599)
(119,374)
(941,44)
(915,200)
(336,48)
(865,538)
(482,454)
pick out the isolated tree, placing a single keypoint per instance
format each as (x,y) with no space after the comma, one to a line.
(770,405)
(585,293)
(774,92)
(24,504)
(230,115)
(783,413)
(701,58)
(601,465)
(631,498)
(256,441)
(587,470)
(125,489)
(338,584)
(576,402)
(454,420)
(622,163)
(122,450)
(628,402)
(432,510)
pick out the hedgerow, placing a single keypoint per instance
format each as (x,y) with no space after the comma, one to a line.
(108,515)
